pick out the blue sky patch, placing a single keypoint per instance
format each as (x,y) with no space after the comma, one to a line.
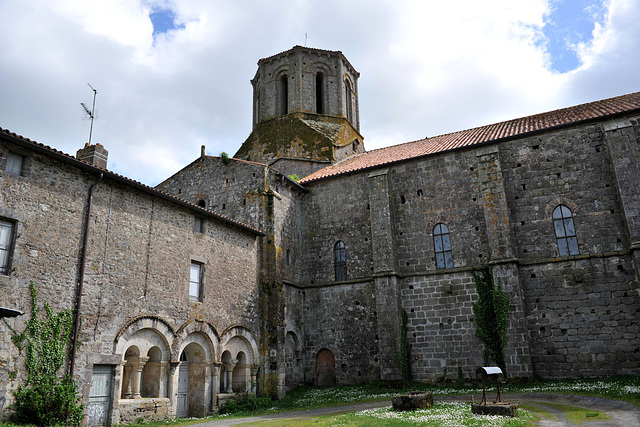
(570,22)
(163,20)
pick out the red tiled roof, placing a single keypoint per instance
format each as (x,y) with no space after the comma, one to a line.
(483,134)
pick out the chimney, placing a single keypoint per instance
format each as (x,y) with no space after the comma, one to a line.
(95,155)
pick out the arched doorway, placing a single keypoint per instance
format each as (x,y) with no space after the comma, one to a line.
(293,368)
(326,368)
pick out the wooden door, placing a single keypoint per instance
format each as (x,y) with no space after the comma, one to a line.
(326,368)
(183,390)
(99,396)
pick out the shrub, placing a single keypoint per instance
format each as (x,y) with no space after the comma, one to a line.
(45,399)
(245,402)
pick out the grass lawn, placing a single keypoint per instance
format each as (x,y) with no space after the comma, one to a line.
(625,388)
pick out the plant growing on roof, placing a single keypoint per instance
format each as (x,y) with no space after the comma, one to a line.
(225,158)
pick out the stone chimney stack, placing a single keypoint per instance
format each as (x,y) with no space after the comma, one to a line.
(95,155)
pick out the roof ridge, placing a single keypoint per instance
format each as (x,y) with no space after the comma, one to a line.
(481,134)
(125,180)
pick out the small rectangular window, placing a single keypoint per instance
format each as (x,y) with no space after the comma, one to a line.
(6,245)
(195,282)
(197,225)
(14,163)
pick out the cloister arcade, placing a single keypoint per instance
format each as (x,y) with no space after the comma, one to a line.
(187,371)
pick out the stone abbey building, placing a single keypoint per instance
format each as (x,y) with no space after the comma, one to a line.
(234,276)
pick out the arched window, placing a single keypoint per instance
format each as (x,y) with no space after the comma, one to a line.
(565,231)
(442,245)
(320,93)
(340,260)
(348,100)
(284,94)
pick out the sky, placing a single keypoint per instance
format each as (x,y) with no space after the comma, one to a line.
(172,76)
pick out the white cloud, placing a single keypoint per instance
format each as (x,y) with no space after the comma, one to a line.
(426,68)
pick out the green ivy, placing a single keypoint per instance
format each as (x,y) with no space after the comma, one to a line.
(403,359)
(294,177)
(491,316)
(45,398)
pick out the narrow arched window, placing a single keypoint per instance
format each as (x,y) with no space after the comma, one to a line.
(284,94)
(348,100)
(565,231)
(340,261)
(442,246)
(320,93)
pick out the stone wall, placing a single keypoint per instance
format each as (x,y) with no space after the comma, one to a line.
(497,202)
(337,210)
(342,319)
(139,253)
(234,189)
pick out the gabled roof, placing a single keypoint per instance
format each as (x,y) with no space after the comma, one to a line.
(66,158)
(491,133)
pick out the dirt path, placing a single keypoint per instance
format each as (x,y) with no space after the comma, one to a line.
(622,414)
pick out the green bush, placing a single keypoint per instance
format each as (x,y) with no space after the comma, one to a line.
(45,399)
(245,403)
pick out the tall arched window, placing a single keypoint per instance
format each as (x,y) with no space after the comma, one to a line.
(565,231)
(284,94)
(442,246)
(340,261)
(348,100)
(320,93)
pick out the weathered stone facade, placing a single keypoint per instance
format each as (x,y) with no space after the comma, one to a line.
(313,287)
(138,318)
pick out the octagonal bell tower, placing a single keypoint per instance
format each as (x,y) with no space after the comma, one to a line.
(305,111)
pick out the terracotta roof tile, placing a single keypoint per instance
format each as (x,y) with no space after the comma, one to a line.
(494,132)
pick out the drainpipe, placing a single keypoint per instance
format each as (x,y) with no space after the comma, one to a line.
(83,259)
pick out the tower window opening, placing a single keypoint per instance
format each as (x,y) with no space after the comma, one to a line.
(284,94)
(348,100)
(320,93)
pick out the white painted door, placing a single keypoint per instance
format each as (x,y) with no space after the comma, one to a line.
(183,389)
(99,396)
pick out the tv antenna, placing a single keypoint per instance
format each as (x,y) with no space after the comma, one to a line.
(91,113)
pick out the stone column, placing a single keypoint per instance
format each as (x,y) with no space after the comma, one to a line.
(126,379)
(387,286)
(163,380)
(138,364)
(215,384)
(228,367)
(254,375)
(171,385)
(502,254)
(625,158)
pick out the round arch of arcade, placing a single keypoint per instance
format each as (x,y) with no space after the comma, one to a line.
(184,365)
(240,362)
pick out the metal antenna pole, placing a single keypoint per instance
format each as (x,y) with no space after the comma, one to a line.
(93,110)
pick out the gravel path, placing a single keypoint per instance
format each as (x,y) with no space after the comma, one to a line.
(622,414)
